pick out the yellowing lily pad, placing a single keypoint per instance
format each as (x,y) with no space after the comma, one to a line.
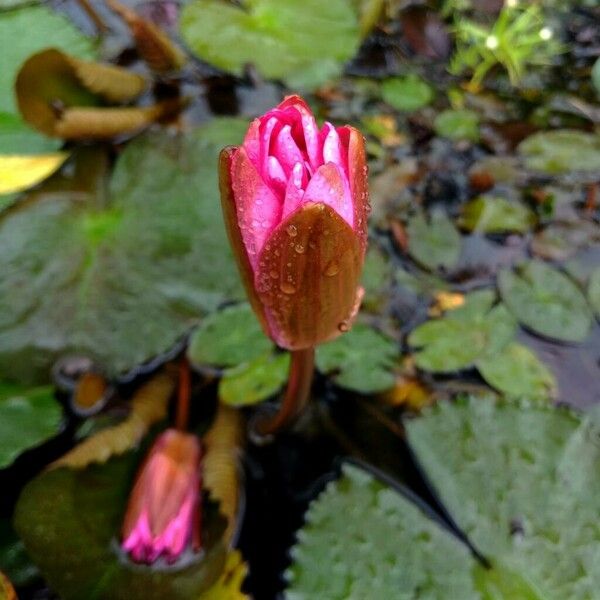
(19,172)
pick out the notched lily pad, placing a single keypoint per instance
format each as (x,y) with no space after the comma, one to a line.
(407,93)
(436,243)
(70,521)
(458,124)
(120,284)
(546,300)
(28,417)
(561,151)
(488,214)
(228,338)
(463,335)
(361,360)
(310,40)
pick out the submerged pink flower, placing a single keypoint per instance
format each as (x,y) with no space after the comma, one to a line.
(163,514)
(295,203)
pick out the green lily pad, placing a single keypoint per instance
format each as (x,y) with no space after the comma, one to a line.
(434,244)
(546,300)
(304,43)
(522,482)
(464,335)
(594,291)
(121,280)
(561,151)
(458,124)
(488,214)
(70,522)
(361,360)
(28,417)
(362,539)
(518,372)
(16,137)
(14,561)
(254,381)
(407,93)
(27,30)
(228,338)
(377,278)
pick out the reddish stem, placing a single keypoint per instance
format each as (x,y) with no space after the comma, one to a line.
(297,393)
(184,393)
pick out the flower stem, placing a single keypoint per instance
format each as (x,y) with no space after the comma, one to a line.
(297,393)
(182,414)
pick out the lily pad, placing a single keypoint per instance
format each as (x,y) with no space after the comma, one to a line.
(561,151)
(436,243)
(518,372)
(70,519)
(228,338)
(407,93)
(458,124)
(463,335)
(522,482)
(361,360)
(362,539)
(546,300)
(488,214)
(27,30)
(254,381)
(303,43)
(28,417)
(119,281)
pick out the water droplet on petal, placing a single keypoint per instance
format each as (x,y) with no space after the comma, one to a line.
(299,248)
(332,268)
(343,326)
(292,231)
(273,274)
(287,287)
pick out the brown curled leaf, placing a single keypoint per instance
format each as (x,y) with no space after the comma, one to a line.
(153,45)
(148,406)
(7,591)
(221,468)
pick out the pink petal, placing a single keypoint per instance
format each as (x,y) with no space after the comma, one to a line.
(309,127)
(332,147)
(286,150)
(258,208)
(277,176)
(252,141)
(295,190)
(330,186)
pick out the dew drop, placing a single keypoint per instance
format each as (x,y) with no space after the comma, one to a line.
(343,326)
(289,264)
(292,231)
(332,268)
(273,274)
(312,245)
(287,287)
(300,249)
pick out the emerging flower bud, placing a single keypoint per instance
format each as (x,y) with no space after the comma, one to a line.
(163,514)
(295,203)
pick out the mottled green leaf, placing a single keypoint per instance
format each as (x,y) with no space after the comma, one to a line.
(518,372)
(458,124)
(362,360)
(522,481)
(119,279)
(464,335)
(594,291)
(546,300)
(561,150)
(228,337)
(434,243)
(28,417)
(70,521)
(363,539)
(302,43)
(254,381)
(27,30)
(407,93)
(488,214)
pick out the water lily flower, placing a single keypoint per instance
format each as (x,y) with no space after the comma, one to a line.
(163,513)
(295,203)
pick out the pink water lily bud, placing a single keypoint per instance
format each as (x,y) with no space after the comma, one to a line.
(295,202)
(163,513)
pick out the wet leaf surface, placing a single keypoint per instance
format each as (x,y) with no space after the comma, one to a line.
(546,300)
(28,417)
(407,93)
(309,49)
(124,280)
(458,124)
(489,214)
(360,360)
